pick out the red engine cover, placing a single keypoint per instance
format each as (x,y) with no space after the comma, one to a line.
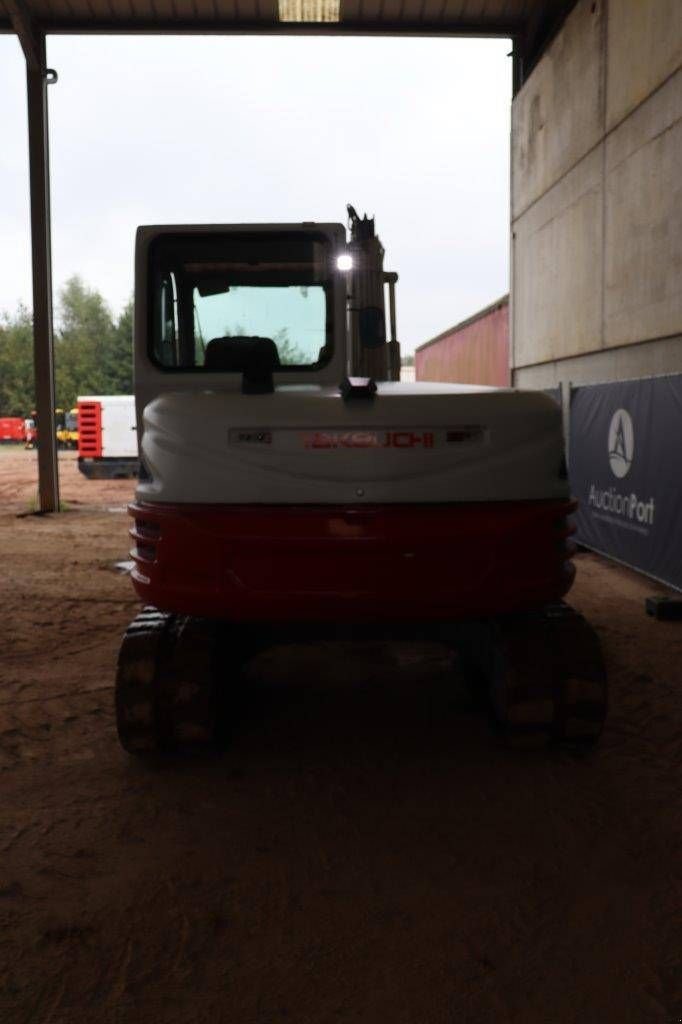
(352,564)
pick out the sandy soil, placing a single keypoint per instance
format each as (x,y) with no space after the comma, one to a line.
(19,483)
(363,850)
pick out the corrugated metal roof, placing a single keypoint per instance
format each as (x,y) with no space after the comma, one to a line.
(484,17)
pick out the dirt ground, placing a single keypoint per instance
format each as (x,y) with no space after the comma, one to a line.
(363,850)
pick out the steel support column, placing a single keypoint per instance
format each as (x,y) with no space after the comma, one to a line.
(41,250)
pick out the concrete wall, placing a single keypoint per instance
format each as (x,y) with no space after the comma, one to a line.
(596,291)
(475,351)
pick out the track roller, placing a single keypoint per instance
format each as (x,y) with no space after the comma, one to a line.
(165,682)
(543,673)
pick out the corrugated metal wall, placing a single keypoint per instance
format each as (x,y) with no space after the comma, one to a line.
(475,351)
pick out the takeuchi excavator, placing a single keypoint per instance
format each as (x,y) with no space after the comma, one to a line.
(290,488)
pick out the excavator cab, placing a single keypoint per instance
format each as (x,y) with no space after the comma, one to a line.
(254,306)
(238,307)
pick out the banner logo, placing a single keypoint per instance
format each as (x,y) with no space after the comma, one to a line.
(621,443)
(629,509)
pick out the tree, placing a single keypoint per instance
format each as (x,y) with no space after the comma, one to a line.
(93,352)
(16,363)
(121,353)
(289,353)
(83,344)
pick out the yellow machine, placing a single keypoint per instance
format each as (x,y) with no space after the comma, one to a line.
(66,428)
(71,428)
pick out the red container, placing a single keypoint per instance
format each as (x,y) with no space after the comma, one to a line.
(12,430)
(475,351)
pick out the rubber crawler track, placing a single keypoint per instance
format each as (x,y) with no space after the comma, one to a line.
(544,674)
(165,683)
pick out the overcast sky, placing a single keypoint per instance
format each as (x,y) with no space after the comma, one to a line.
(165,130)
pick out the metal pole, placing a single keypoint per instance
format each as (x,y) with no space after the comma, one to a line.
(393,345)
(43,344)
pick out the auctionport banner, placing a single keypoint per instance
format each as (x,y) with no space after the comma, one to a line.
(626,472)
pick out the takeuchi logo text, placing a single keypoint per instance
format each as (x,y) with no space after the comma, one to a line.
(368,439)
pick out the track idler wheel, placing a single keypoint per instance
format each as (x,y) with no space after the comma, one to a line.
(544,675)
(165,683)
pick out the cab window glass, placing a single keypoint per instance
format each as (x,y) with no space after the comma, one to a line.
(214,295)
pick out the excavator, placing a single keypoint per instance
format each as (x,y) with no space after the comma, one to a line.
(291,488)
(66,425)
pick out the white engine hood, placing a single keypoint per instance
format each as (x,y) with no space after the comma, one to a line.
(303,444)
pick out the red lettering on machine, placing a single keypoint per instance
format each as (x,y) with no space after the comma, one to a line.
(368,439)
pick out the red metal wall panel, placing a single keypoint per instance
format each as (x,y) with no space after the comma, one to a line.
(473,352)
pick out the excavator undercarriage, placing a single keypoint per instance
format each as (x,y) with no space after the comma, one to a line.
(540,675)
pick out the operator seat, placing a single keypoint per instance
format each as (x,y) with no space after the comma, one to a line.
(255,358)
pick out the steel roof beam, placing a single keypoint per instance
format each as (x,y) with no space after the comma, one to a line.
(30,38)
(212,26)
(538,33)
